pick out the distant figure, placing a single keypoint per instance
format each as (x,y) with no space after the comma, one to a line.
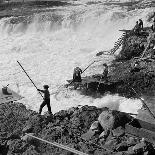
(154,17)
(140,24)
(77,74)
(105,72)
(136,28)
(153,26)
(46,99)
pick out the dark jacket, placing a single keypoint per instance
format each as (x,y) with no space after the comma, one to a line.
(77,74)
(46,94)
(140,24)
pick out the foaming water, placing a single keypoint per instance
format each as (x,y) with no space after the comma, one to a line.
(49,45)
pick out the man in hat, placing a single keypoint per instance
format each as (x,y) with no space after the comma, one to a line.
(46,100)
(77,74)
(105,72)
(136,28)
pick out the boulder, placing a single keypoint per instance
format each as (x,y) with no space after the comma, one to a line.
(16,146)
(34,124)
(131,141)
(122,147)
(106,120)
(139,148)
(118,132)
(104,134)
(111,144)
(31,151)
(111,119)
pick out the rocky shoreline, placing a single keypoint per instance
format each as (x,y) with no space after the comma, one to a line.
(67,127)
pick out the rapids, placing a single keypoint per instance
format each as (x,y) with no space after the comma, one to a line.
(50,44)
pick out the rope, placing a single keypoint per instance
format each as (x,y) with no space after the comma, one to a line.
(60,146)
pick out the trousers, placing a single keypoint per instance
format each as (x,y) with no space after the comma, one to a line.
(45,102)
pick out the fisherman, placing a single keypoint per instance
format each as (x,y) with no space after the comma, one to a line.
(46,100)
(140,24)
(153,25)
(136,28)
(105,72)
(77,74)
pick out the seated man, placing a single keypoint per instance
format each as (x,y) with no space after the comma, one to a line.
(77,74)
(105,72)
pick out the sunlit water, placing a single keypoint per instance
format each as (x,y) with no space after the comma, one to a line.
(50,44)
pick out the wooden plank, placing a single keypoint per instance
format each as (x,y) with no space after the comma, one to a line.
(140,132)
(146,125)
(91,79)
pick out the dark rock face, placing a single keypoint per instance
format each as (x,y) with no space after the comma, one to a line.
(66,128)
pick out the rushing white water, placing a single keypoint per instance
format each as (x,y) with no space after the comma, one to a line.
(50,44)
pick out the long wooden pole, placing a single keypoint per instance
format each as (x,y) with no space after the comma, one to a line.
(29,77)
(143,103)
(59,145)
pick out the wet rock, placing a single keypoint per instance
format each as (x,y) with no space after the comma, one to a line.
(139,148)
(27,128)
(72,110)
(31,151)
(16,146)
(130,151)
(104,134)
(49,117)
(111,119)
(118,132)
(106,119)
(34,124)
(122,147)
(3,149)
(61,114)
(132,141)
(95,126)
(111,144)
(83,119)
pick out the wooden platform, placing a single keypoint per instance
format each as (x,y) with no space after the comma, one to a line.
(142,129)
(91,79)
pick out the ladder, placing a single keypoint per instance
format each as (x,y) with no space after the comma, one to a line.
(118,43)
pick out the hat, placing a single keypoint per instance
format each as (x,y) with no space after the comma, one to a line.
(46,86)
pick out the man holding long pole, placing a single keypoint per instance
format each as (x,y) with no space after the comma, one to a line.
(46,99)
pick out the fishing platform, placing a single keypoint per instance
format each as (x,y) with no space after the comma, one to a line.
(94,82)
